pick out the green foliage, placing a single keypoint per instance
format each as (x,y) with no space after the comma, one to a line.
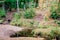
(1,21)
(21,22)
(32,4)
(58,22)
(55,32)
(54,13)
(27,4)
(22,3)
(2,13)
(52,32)
(1,0)
(10,0)
(16,22)
(55,9)
(17,15)
(24,23)
(29,14)
(43,26)
(58,7)
(16,19)
(10,4)
(47,24)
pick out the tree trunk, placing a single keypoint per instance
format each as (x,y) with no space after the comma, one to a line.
(3,6)
(17,5)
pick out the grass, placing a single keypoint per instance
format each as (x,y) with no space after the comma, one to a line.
(29,13)
(48,33)
(58,22)
(48,29)
(1,21)
(24,23)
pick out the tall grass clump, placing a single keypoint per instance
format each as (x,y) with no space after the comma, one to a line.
(29,13)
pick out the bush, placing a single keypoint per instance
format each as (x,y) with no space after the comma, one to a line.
(58,22)
(2,13)
(54,15)
(16,19)
(54,12)
(20,22)
(55,33)
(29,14)
(17,15)
(10,4)
(16,22)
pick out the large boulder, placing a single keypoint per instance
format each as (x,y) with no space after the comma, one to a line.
(7,30)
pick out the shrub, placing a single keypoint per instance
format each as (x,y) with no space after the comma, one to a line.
(16,19)
(20,22)
(55,33)
(10,4)
(17,15)
(54,15)
(16,22)
(58,22)
(24,23)
(54,12)
(2,13)
(29,13)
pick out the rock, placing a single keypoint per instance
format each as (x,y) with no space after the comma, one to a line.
(7,30)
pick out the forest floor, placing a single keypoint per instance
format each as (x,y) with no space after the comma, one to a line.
(16,38)
(4,29)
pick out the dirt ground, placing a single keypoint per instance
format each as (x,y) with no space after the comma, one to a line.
(24,38)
